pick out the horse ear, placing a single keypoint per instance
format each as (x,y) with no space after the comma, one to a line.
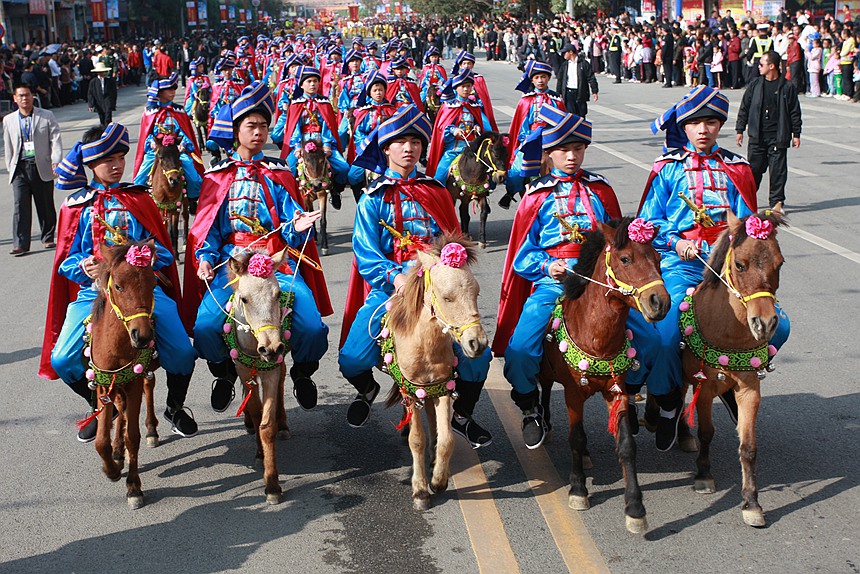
(607,230)
(234,268)
(733,221)
(426,258)
(279,257)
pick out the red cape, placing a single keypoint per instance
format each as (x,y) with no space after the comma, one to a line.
(520,114)
(740,174)
(360,113)
(330,73)
(440,69)
(149,118)
(206,82)
(515,288)
(484,94)
(295,112)
(439,205)
(216,184)
(446,116)
(411,87)
(62,292)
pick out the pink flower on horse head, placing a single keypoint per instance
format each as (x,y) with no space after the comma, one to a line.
(506,140)
(641,231)
(310,147)
(758,228)
(261,266)
(139,256)
(168,140)
(454,255)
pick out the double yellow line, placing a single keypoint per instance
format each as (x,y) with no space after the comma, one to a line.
(490,541)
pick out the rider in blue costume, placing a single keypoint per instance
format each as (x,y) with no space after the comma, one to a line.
(540,250)
(104,152)
(224,92)
(433,73)
(252,186)
(199,79)
(371,60)
(372,109)
(534,84)
(284,95)
(351,85)
(409,202)
(160,105)
(711,177)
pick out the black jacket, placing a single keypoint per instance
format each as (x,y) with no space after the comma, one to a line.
(789,120)
(586,81)
(99,100)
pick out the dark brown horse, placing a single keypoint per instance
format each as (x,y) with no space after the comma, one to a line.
(432,103)
(472,173)
(122,360)
(167,182)
(314,179)
(200,112)
(727,323)
(589,352)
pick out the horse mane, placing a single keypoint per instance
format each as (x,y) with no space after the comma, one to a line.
(726,240)
(592,249)
(405,311)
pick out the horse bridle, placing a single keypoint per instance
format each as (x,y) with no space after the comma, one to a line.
(436,311)
(484,149)
(118,312)
(744,299)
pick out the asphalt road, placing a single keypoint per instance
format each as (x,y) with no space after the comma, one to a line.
(347,496)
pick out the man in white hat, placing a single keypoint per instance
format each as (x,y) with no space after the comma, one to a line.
(101,97)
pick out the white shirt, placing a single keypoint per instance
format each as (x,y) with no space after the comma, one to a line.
(55,68)
(572,74)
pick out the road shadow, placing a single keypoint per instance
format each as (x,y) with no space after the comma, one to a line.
(835,203)
(19,355)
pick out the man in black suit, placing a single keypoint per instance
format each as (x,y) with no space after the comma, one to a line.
(667,54)
(101,97)
(576,81)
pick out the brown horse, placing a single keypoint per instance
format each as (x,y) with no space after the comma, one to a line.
(432,103)
(120,340)
(437,306)
(481,163)
(727,323)
(589,352)
(167,182)
(314,179)
(200,112)
(258,334)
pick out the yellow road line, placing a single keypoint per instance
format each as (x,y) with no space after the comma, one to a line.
(572,538)
(487,534)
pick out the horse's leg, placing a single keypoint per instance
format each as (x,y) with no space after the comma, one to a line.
(283,427)
(417,444)
(625,448)
(103,444)
(465,218)
(174,231)
(151,420)
(441,412)
(134,394)
(322,196)
(749,398)
(267,431)
(118,446)
(578,494)
(704,480)
(484,206)
(546,382)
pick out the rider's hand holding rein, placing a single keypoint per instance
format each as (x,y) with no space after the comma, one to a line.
(304,221)
(557,270)
(686,249)
(205,271)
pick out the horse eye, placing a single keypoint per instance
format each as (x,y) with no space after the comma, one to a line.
(625,260)
(117,287)
(448,299)
(740,266)
(243,299)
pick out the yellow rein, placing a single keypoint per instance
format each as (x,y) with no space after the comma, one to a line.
(119,314)
(484,148)
(261,328)
(436,310)
(625,288)
(731,284)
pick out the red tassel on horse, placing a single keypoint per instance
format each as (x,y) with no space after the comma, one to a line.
(407,418)
(614,415)
(690,411)
(84,422)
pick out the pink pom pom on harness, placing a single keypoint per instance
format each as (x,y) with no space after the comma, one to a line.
(168,140)
(758,228)
(139,256)
(641,231)
(261,266)
(454,255)
(310,147)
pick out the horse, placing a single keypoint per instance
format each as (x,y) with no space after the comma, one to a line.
(120,340)
(167,182)
(437,306)
(432,103)
(200,112)
(618,269)
(257,332)
(314,180)
(483,159)
(726,324)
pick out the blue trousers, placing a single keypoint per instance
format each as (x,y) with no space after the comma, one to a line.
(309,340)
(175,352)
(339,167)
(678,275)
(444,166)
(343,132)
(515,182)
(360,353)
(525,349)
(193,180)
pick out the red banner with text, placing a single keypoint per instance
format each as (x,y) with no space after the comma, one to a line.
(97,9)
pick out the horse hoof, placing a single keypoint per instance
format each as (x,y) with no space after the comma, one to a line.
(421,504)
(586,463)
(705,486)
(324,250)
(135,502)
(687,444)
(273,498)
(152,441)
(284,434)
(482,244)
(439,488)
(637,525)
(754,518)
(115,476)
(578,502)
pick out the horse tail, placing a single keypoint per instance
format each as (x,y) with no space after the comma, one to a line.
(393,396)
